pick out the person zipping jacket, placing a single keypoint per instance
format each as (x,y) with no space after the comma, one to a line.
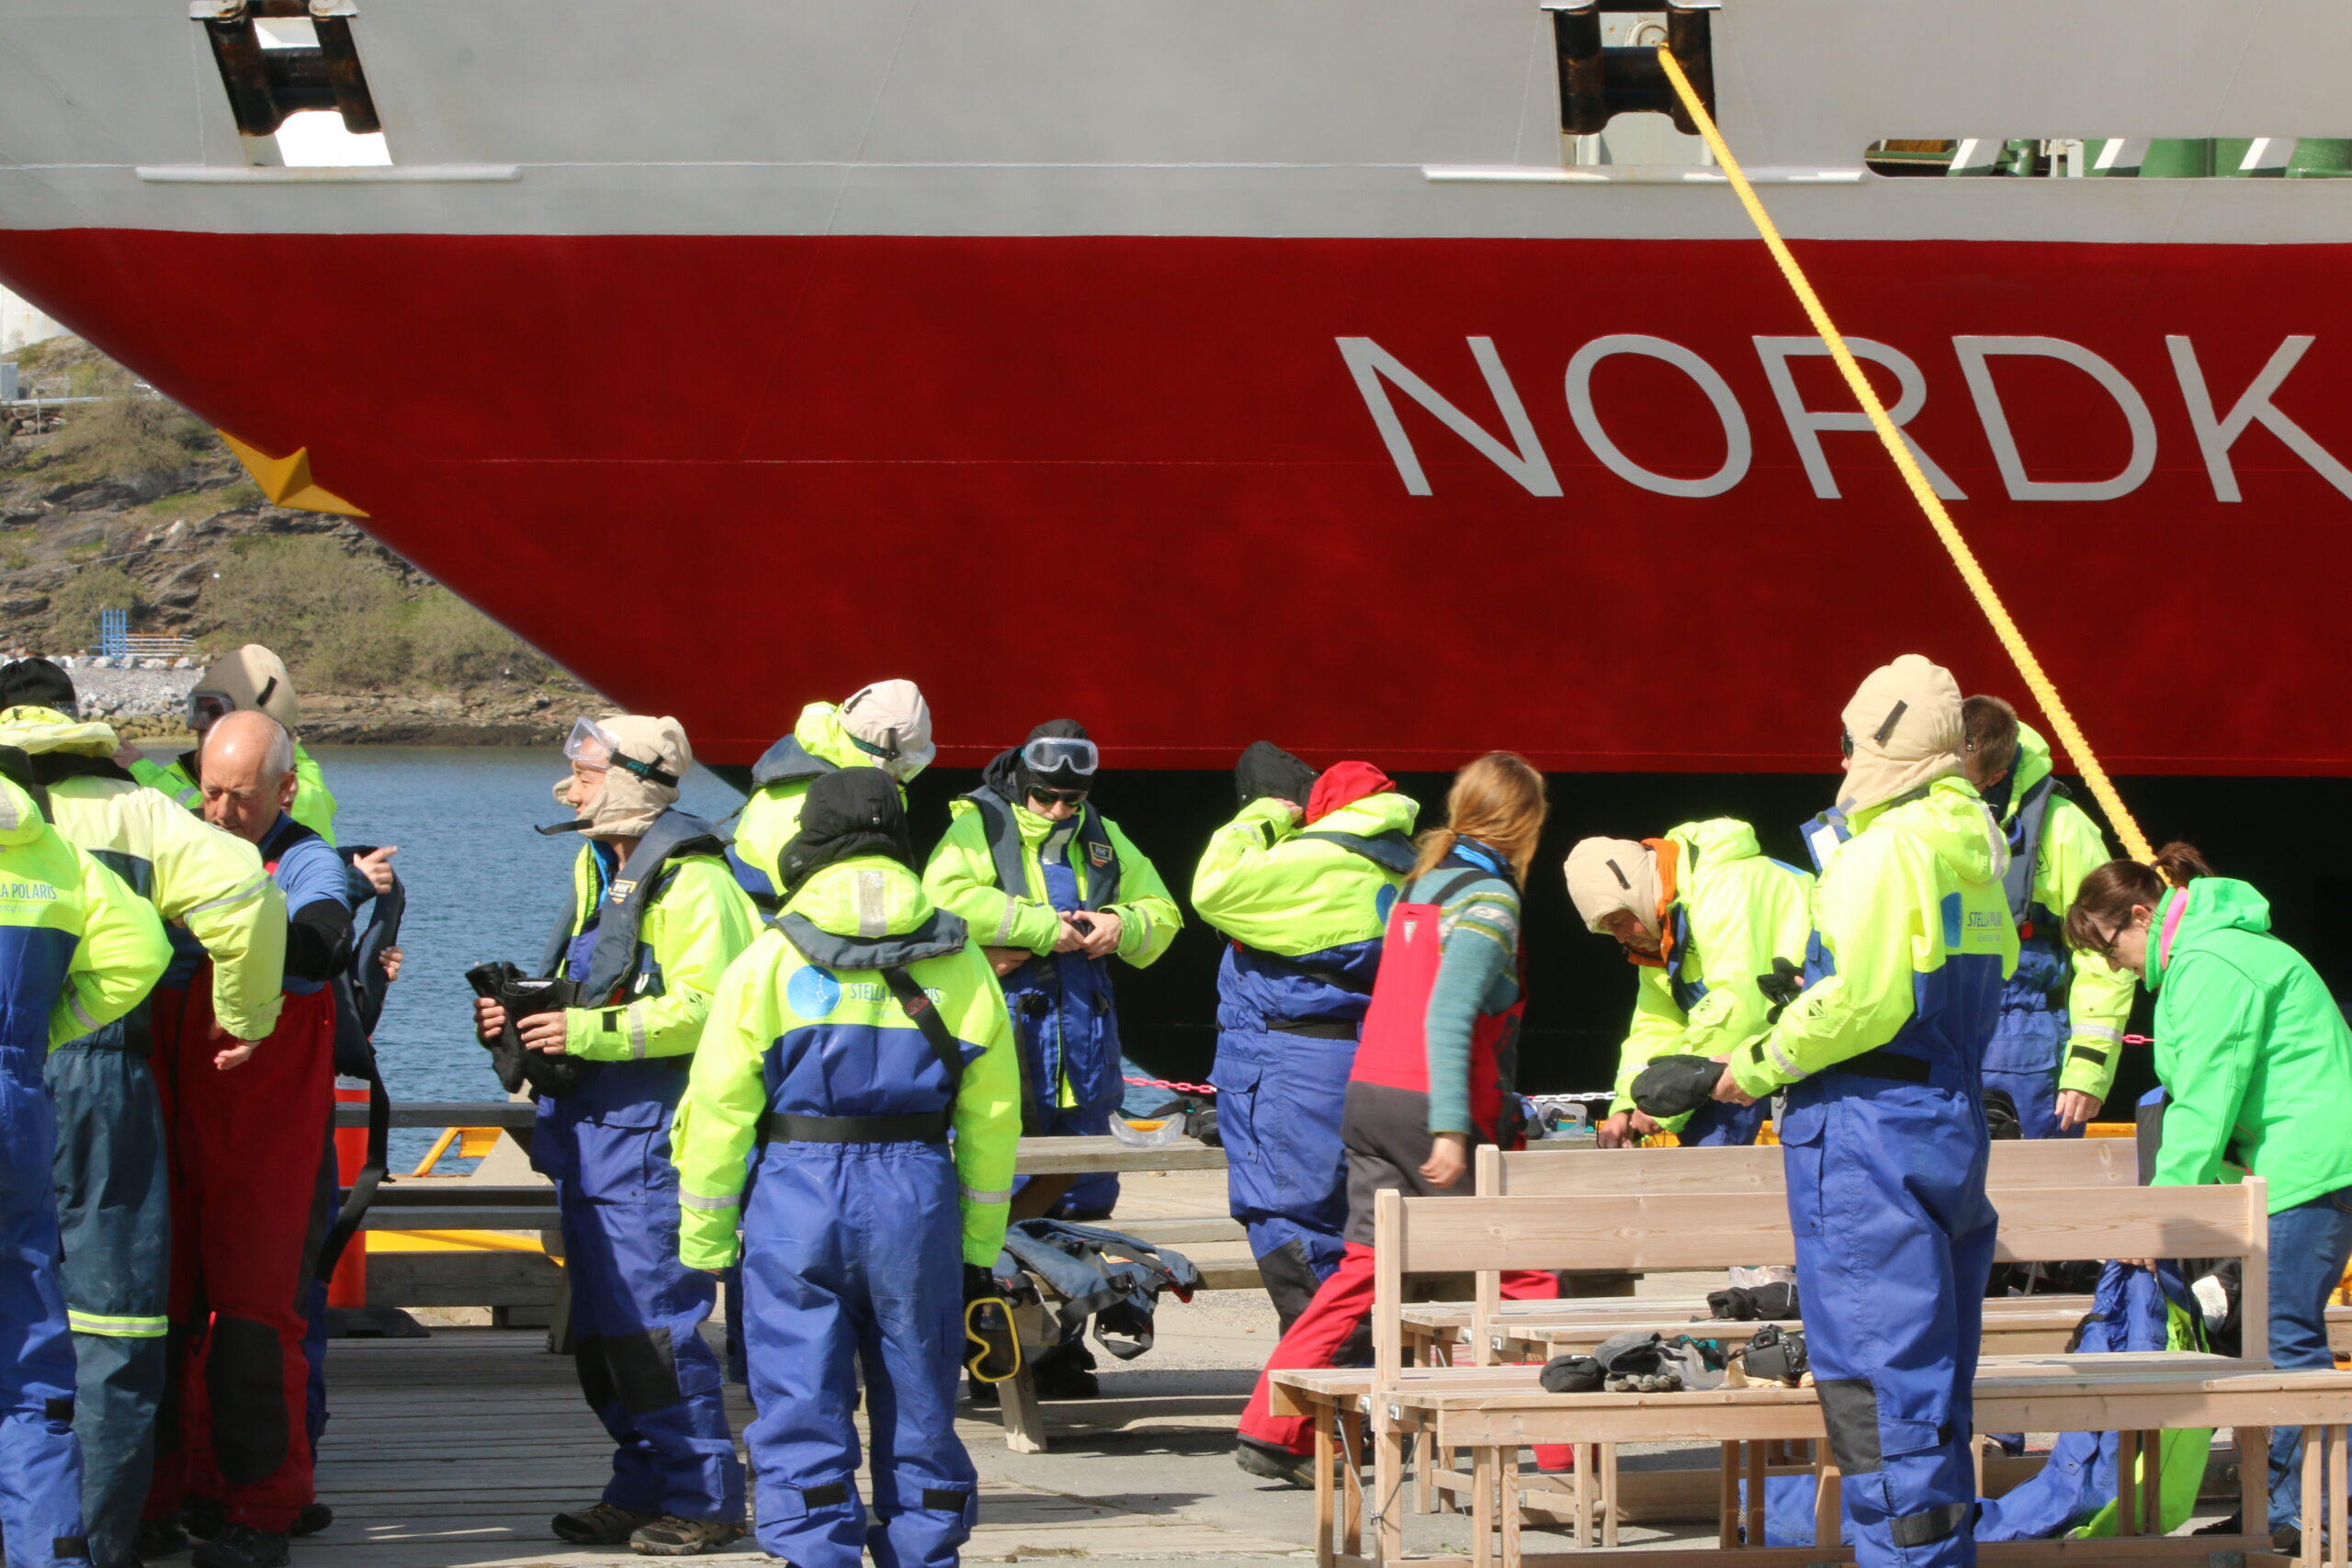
(1300,884)
(78,950)
(113,1186)
(853,1036)
(885,726)
(1704,917)
(2061,1015)
(1883,1131)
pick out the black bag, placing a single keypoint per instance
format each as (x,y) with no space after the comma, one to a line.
(521,996)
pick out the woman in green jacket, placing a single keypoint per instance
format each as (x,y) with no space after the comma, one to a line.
(2257,1064)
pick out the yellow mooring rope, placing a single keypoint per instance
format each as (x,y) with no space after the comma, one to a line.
(2045,691)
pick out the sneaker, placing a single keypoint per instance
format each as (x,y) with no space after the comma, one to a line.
(314,1517)
(1269,1463)
(600,1524)
(204,1516)
(158,1538)
(673,1535)
(241,1546)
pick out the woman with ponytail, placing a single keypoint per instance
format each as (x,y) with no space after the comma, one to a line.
(1433,1069)
(2256,1064)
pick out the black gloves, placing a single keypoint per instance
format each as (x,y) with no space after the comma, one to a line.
(1779,987)
(1671,1086)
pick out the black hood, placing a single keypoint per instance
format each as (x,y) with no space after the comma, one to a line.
(1267,772)
(1012,779)
(36,683)
(855,811)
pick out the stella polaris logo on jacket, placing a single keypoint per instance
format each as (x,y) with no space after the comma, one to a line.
(814,994)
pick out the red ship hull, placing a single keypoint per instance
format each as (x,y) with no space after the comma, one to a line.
(1135,480)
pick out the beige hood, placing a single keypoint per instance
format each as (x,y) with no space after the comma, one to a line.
(1906,729)
(251,678)
(626,806)
(1609,875)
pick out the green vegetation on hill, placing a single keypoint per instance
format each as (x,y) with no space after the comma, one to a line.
(131,502)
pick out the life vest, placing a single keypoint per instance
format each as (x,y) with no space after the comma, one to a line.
(1089,846)
(1342,968)
(1394,1048)
(618,958)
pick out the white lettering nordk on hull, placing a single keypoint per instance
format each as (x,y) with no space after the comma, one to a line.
(1371,364)
(1739,450)
(1973,354)
(1806,426)
(1375,369)
(2215,437)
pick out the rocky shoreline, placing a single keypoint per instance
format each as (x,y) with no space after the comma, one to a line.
(152,704)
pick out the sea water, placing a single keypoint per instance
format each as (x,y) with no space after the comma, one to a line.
(482,886)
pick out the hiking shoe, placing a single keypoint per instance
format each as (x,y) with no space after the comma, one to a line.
(600,1524)
(241,1546)
(1269,1463)
(2233,1525)
(204,1516)
(674,1536)
(158,1538)
(314,1517)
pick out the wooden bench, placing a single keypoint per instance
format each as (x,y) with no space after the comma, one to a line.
(1517,1331)
(1701,1230)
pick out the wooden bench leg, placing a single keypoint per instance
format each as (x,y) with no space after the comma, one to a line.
(1727,1498)
(1351,1487)
(2336,1508)
(1607,1494)
(1388,1484)
(1509,1479)
(2151,1489)
(1482,1508)
(1325,1500)
(1829,1499)
(1586,1456)
(2127,1483)
(1024,1424)
(2314,1457)
(2254,1477)
(1757,1456)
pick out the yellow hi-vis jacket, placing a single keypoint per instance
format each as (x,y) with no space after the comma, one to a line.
(1733,912)
(837,1041)
(210,882)
(51,892)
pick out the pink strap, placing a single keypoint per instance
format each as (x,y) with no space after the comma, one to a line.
(2171,924)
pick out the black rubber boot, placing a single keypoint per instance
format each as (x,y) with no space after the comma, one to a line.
(158,1538)
(316,1517)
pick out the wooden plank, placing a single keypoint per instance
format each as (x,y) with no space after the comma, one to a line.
(461,1278)
(2056,1162)
(1703,1229)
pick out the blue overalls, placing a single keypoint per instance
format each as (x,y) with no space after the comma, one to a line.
(1715,1123)
(1066,1018)
(853,1257)
(1287,1039)
(636,1308)
(1885,1160)
(2030,1039)
(113,1213)
(40,1463)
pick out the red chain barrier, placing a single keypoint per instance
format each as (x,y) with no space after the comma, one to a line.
(1171,1083)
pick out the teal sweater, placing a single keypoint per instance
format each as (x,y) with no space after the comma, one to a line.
(1477,947)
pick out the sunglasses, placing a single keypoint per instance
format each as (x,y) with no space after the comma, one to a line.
(1058,796)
